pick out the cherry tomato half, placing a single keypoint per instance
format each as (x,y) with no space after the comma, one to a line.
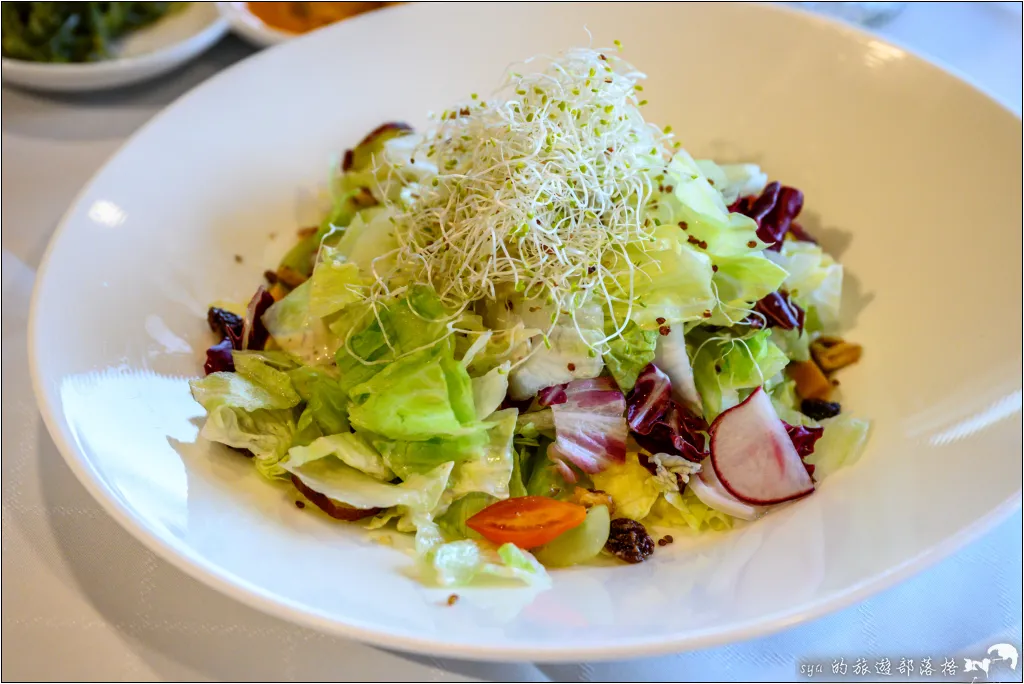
(527,521)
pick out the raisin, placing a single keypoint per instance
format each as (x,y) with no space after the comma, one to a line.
(628,540)
(224,322)
(819,409)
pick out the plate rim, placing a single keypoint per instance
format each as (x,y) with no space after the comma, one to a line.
(210,574)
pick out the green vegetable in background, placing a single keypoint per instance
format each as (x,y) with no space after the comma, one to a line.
(72,31)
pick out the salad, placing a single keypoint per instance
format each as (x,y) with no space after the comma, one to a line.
(538,333)
(61,32)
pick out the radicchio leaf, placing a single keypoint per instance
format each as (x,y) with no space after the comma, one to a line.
(774,211)
(803,439)
(660,424)
(781,311)
(590,430)
(218,357)
(798,232)
(255,334)
(549,396)
(236,332)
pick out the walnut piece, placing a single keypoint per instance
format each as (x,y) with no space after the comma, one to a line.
(833,353)
(593,497)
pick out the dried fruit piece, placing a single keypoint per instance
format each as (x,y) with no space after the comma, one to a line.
(224,323)
(811,383)
(833,353)
(629,541)
(819,409)
(593,497)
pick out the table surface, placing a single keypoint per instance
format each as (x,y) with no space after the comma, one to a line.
(82,600)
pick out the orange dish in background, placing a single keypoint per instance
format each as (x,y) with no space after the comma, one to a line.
(301,17)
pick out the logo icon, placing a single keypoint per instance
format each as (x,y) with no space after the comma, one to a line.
(977,665)
(1002,652)
(999,653)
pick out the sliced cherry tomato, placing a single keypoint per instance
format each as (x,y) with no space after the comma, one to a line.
(527,521)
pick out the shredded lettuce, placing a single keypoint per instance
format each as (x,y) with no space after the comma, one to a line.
(695,203)
(374,337)
(453,521)
(735,180)
(489,391)
(787,404)
(565,354)
(411,399)
(795,343)
(742,280)
(405,457)
(335,284)
(546,480)
(255,384)
(686,510)
(266,433)
(458,563)
(352,449)
(841,445)
(489,470)
(326,410)
(297,331)
(671,281)
(331,476)
(814,280)
(366,242)
(520,473)
(724,366)
(629,353)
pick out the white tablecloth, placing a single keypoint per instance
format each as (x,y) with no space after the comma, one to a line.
(82,600)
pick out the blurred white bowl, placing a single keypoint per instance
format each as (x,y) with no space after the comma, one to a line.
(139,56)
(249,27)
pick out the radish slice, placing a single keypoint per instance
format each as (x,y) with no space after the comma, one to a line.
(708,488)
(754,457)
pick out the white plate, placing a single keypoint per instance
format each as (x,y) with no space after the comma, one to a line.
(912,176)
(140,55)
